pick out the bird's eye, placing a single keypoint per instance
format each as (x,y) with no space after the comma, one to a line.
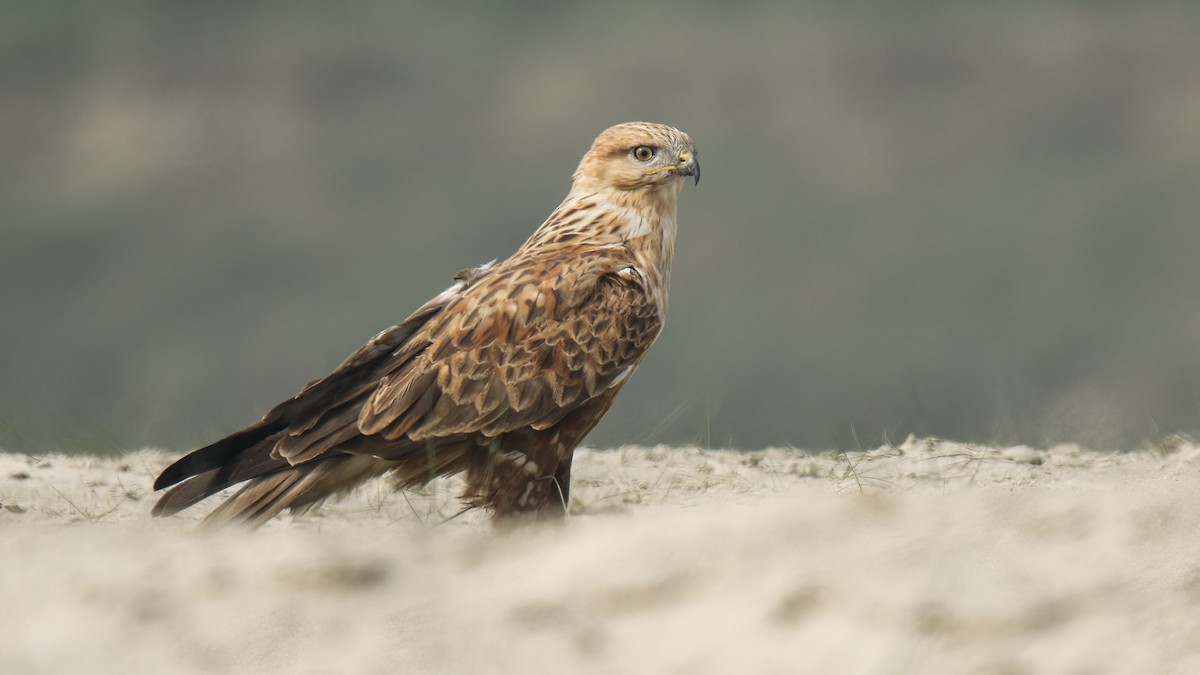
(643,153)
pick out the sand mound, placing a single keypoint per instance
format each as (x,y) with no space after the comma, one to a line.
(932,557)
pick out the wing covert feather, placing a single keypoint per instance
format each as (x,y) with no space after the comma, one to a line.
(520,347)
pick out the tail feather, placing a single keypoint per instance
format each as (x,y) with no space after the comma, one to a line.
(200,482)
(257,502)
(273,483)
(296,488)
(189,493)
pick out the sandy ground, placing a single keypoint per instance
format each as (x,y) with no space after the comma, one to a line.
(932,557)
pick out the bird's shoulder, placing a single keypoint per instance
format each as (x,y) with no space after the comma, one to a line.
(538,288)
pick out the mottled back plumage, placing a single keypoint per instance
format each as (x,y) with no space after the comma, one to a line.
(499,376)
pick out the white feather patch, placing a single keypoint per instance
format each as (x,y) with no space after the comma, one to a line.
(522,461)
(621,377)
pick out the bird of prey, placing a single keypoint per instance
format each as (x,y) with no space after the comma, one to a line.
(499,376)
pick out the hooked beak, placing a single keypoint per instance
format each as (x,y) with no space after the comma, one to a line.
(688,166)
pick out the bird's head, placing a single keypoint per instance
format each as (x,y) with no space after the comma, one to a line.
(639,156)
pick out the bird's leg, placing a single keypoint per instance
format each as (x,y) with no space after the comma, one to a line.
(522,478)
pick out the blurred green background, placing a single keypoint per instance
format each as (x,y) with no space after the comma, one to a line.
(975,220)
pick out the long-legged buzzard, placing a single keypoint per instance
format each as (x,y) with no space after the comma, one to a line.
(500,376)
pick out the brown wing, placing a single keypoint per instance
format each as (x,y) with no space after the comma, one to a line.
(521,347)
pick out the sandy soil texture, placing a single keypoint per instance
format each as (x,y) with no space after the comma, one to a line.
(931,557)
